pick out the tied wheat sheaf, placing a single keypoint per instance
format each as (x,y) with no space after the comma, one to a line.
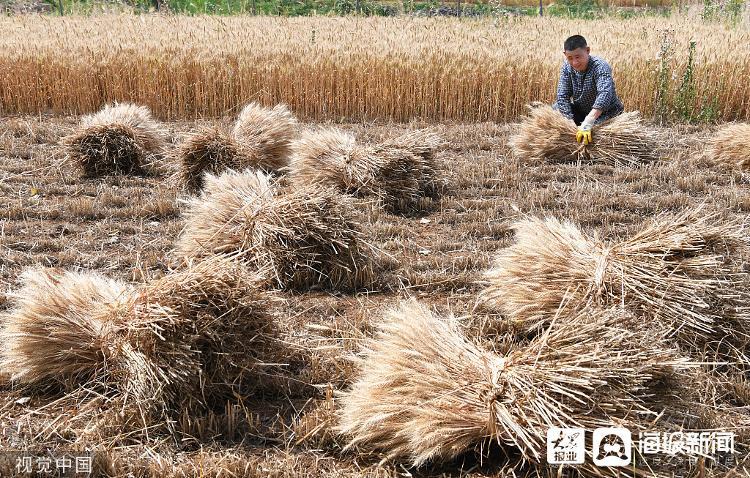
(269,132)
(122,138)
(398,172)
(545,135)
(683,271)
(730,146)
(260,139)
(303,236)
(61,331)
(425,392)
(130,359)
(210,150)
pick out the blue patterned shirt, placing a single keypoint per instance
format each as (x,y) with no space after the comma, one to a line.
(593,88)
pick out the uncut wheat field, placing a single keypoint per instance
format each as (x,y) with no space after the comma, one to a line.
(375,278)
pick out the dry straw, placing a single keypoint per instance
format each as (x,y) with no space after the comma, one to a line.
(121,138)
(62,329)
(730,146)
(398,172)
(269,132)
(209,151)
(261,139)
(425,392)
(546,136)
(306,236)
(683,271)
(137,358)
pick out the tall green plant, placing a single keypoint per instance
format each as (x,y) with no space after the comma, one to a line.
(664,74)
(685,97)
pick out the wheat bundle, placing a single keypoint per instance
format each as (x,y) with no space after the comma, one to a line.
(136,357)
(209,151)
(68,332)
(547,136)
(683,271)
(397,172)
(63,328)
(208,328)
(427,393)
(106,149)
(149,132)
(325,156)
(304,236)
(122,138)
(268,132)
(730,146)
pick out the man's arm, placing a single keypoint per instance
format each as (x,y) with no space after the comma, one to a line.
(564,92)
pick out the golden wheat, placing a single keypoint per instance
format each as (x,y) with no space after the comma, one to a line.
(683,271)
(358,68)
(426,392)
(730,146)
(304,236)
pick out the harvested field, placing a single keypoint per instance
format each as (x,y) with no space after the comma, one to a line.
(126,227)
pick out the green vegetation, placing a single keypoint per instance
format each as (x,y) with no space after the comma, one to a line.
(728,10)
(683,104)
(585,9)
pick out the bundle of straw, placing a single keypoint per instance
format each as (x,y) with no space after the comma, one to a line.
(397,172)
(730,146)
(427,393)
(209,328)
(684,272)
(304,236)
(268,132)
(62,329)
(121,138)
(209,151)
(260,139)
(187,341)
(547,136)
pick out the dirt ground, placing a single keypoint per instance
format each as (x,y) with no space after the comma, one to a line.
(124,227)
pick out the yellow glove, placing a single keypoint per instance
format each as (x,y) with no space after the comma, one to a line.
(583,135)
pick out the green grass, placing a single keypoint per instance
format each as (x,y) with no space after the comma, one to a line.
(583,9)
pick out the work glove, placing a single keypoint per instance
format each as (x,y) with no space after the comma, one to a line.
(583,135)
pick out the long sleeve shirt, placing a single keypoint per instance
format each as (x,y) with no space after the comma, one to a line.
(583,91)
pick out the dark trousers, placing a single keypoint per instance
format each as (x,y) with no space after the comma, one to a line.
(579,115)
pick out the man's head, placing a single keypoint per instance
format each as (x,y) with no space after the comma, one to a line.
(577,52)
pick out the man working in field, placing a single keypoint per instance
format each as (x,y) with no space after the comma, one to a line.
(586,91)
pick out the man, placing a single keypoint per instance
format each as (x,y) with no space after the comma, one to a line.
(586,91)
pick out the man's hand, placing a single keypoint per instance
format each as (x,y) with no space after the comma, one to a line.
(583,135)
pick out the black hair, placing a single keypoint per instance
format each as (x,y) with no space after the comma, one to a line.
(574,42)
